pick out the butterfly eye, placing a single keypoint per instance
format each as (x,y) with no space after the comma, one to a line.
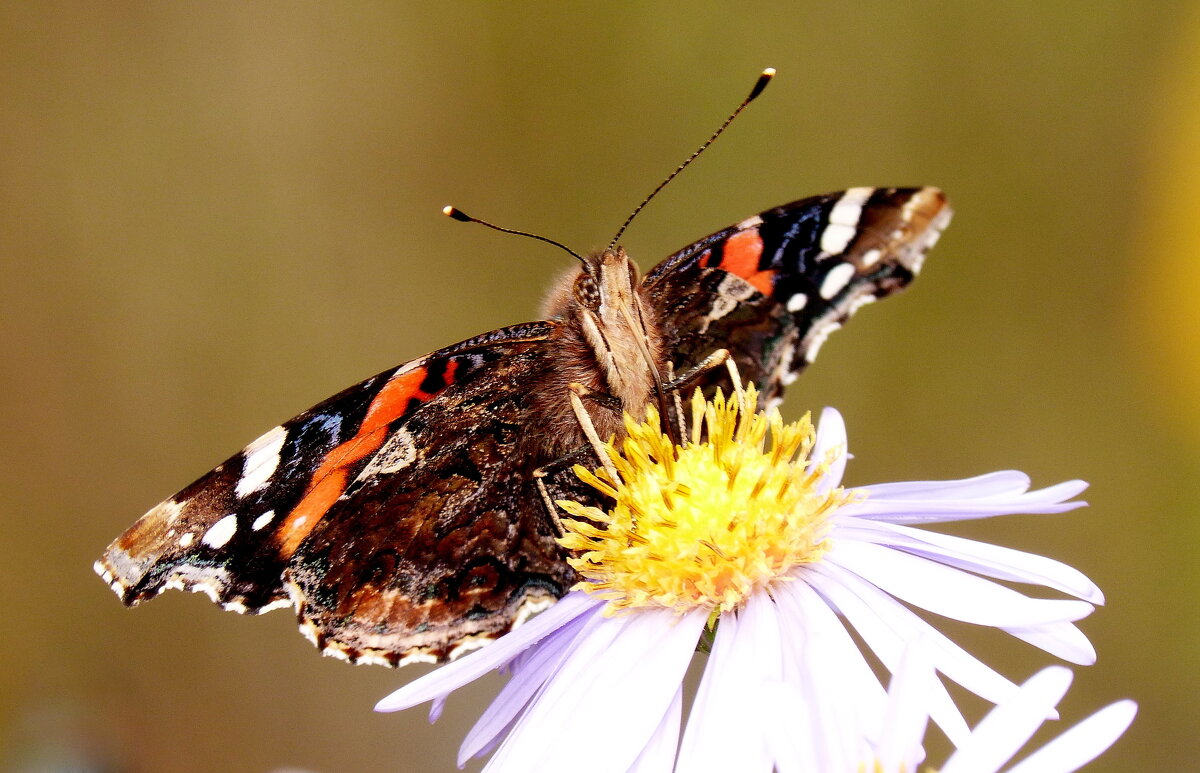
(586,291)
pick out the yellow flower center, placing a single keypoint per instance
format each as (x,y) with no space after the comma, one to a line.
(703,524)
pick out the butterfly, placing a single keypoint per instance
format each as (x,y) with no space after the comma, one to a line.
(409,517)
(400,517)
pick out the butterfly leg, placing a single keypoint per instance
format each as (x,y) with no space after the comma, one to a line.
(589,429)
(602,399)
(715,360)
(551,508)
(560,474)
(676,402)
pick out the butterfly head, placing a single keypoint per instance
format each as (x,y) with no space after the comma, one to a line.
(606,283)
(603,304)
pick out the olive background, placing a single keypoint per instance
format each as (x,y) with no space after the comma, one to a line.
(213,215)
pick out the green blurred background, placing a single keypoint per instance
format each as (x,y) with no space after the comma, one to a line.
(214,215)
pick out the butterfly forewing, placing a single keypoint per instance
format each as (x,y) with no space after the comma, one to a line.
(376,492)
(771,288)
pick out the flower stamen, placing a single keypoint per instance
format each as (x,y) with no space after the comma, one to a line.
(706,524)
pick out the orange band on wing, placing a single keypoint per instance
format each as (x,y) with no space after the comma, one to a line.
(331,478)
(740,255)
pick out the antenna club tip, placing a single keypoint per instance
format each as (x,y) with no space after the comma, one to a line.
(456,213)
(761,83)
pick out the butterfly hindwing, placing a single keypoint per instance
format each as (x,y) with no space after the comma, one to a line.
(772,287)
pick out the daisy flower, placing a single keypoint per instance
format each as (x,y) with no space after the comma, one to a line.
(755,551)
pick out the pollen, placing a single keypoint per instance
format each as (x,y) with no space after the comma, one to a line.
(705,523)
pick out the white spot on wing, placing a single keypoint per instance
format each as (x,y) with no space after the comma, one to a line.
(373,658)
(848,208)
(220,532)
(797,302)
(817,339)
(748,223)
(843,220)
(208,589)
(105,575)
(532,605)
(407,367)
(276,604)
(335,649)
(859,302)
(871,257)
(836,280)
(398,452)
(730,293)
(836,237)
(262,520)
(261,460)
(417,656)
(186,540)
(208,581)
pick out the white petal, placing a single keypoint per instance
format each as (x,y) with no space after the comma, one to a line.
(979,557)
(1082,743)
(1006,483)
(628,667)
(907,713)
(725,703)
(937,509)
(539,664)
(889,648)
(947,657)
(1062,640)
(844,699)
(950,592)
(1059,492)
(659,754)
(761,634)
(789,729)
(947,511)
(1005,729)
(475,664)
(831,436)
(436,706)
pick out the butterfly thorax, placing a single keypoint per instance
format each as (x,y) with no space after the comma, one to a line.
(611,343)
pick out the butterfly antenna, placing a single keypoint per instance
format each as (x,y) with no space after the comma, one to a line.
(463,217)
(759,85)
